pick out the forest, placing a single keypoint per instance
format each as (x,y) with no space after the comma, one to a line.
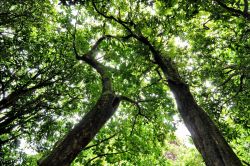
(109,82)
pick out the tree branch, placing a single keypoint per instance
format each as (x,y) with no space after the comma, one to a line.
(236,12)
(240,85)
(103,155)
(106,139)
(123,23)
(245,11)
(136,103)
(228,79)
(133,125)
(13,97)
(125,98)
(247,164)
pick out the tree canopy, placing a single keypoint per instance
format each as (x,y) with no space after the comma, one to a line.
(100,82)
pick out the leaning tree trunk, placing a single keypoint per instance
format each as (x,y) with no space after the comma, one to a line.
(83,132)
(205,134)
(81,135)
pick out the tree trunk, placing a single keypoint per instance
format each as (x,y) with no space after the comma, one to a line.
(205,134)
(83,132)
(81,135)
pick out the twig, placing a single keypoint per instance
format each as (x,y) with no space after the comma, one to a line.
(133,125)
(204,24)
(123,23)
(136,103)
(106,139)
(228,79)
(240,85)
(102,155)
(245,162)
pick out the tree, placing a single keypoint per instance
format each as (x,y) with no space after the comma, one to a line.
(80,136)
(31,85)
(146,38)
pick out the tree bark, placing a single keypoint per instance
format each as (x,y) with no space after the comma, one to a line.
(79,137)
(205,134)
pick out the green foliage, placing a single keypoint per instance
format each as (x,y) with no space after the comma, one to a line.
(179,154)
(51,90)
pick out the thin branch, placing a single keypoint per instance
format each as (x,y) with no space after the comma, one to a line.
(155,82)
(245,11)
(123,23)
(133,125)
(125,98)
(236,12)
(103,155)
(95,46)
(204,24)
(106,139)
(245,162)
(146,71)
(240,85)
(228,79)
(14,96)
(136,103)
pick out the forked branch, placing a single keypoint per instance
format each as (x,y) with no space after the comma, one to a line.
(236,12)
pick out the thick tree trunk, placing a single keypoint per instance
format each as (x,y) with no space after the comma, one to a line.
(205,134)
(81,135)
(83,132)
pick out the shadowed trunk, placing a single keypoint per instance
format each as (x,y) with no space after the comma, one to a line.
(81,135)
(83,132)
(205,134)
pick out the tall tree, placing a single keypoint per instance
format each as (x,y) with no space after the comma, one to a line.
(206,136)
(195,51)
(80,136)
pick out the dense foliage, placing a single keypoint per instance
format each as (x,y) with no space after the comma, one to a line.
(45,90)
